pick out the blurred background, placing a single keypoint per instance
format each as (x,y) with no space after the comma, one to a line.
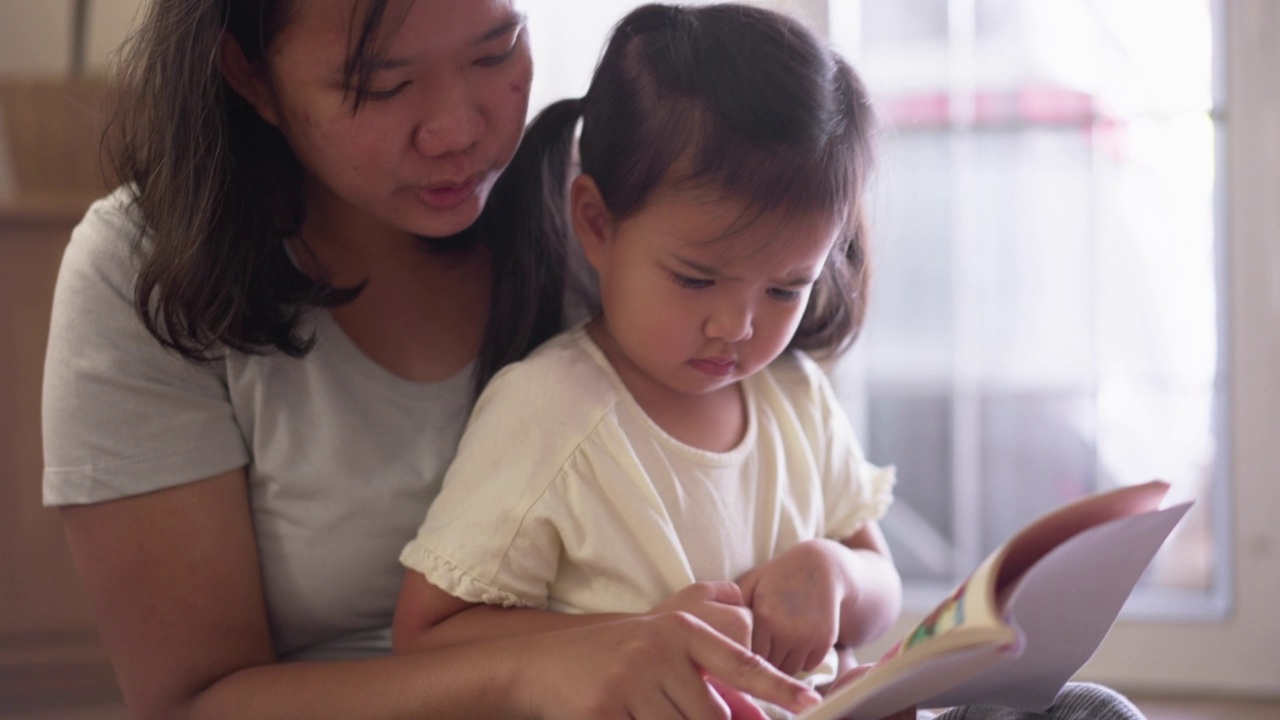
(1076,248)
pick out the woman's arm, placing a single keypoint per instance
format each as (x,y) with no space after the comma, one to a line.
(173,577)
(430,618)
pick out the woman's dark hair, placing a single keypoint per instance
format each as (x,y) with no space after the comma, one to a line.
(739,101)
(219,190)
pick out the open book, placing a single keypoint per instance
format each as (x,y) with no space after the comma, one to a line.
(1027,619)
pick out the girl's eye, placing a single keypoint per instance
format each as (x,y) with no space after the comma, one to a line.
(690,283)
(785,294)
(387,94)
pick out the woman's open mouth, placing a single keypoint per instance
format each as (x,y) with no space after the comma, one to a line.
(448,196)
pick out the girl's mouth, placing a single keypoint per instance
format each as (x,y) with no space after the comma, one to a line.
(715,367)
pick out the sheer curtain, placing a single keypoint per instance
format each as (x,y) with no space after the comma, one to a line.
(1044,317)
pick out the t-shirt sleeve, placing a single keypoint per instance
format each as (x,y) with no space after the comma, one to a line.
(121,414)
(492,535)
(854,490)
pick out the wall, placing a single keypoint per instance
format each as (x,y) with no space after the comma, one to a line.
(49,651)
(35,35)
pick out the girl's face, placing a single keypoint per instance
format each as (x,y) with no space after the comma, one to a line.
(443,117)
(690,308)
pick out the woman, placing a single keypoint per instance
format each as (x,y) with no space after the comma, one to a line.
(251,337)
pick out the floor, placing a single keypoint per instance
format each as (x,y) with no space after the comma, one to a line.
(1154,708)
(1191,709)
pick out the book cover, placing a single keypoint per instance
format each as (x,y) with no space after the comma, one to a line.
(1026,619)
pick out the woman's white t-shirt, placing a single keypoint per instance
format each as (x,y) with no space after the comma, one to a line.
(342,457)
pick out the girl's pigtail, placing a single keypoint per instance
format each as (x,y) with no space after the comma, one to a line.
(526,226)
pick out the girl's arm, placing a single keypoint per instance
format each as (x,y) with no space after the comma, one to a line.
(173,578)
(872,590)
(822,593)
(429,618)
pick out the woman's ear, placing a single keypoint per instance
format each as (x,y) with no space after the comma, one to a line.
(246,79)
(591,219)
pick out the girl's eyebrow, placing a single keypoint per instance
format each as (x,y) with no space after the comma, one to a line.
(717,274)
(796,282)
(700,268)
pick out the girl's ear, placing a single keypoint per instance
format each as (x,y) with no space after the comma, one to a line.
(591,219)
(245,79)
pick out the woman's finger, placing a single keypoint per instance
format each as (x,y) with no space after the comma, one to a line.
(739,704)
(735,667)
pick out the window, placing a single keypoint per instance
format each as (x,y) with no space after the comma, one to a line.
(1044,311)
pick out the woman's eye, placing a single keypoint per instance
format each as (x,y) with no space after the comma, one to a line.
(386,94)
(784,294)
(496,60)
(690,283)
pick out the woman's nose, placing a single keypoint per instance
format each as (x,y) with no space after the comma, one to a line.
(730,323)
(454,128)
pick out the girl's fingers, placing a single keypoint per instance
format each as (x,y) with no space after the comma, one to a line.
(787,661)
(726,592)
(815,658)
(761,640)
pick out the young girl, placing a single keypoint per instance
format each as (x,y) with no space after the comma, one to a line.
(683,437)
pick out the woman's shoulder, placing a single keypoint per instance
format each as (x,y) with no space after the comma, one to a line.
(104,242)
(562,377)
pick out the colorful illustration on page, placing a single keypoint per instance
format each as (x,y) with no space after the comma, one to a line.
(946,616)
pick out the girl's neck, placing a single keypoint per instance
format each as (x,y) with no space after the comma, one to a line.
(715,421)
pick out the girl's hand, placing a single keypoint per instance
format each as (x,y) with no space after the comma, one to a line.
(670,665)
(718,604)
(795,605)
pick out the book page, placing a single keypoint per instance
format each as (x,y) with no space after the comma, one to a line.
(1051,529)
(1064,606)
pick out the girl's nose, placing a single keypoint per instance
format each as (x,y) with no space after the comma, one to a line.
(730,323)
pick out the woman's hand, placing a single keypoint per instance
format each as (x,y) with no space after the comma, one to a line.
(718,604)
(669,665)
(795,605)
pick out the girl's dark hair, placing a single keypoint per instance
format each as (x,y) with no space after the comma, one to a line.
(736,100)
(219,190)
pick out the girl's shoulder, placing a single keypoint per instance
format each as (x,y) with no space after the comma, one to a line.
(797,374)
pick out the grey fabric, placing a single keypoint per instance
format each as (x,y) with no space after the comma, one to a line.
(1077,701)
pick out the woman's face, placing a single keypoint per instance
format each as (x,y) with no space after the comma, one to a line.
(444,112)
